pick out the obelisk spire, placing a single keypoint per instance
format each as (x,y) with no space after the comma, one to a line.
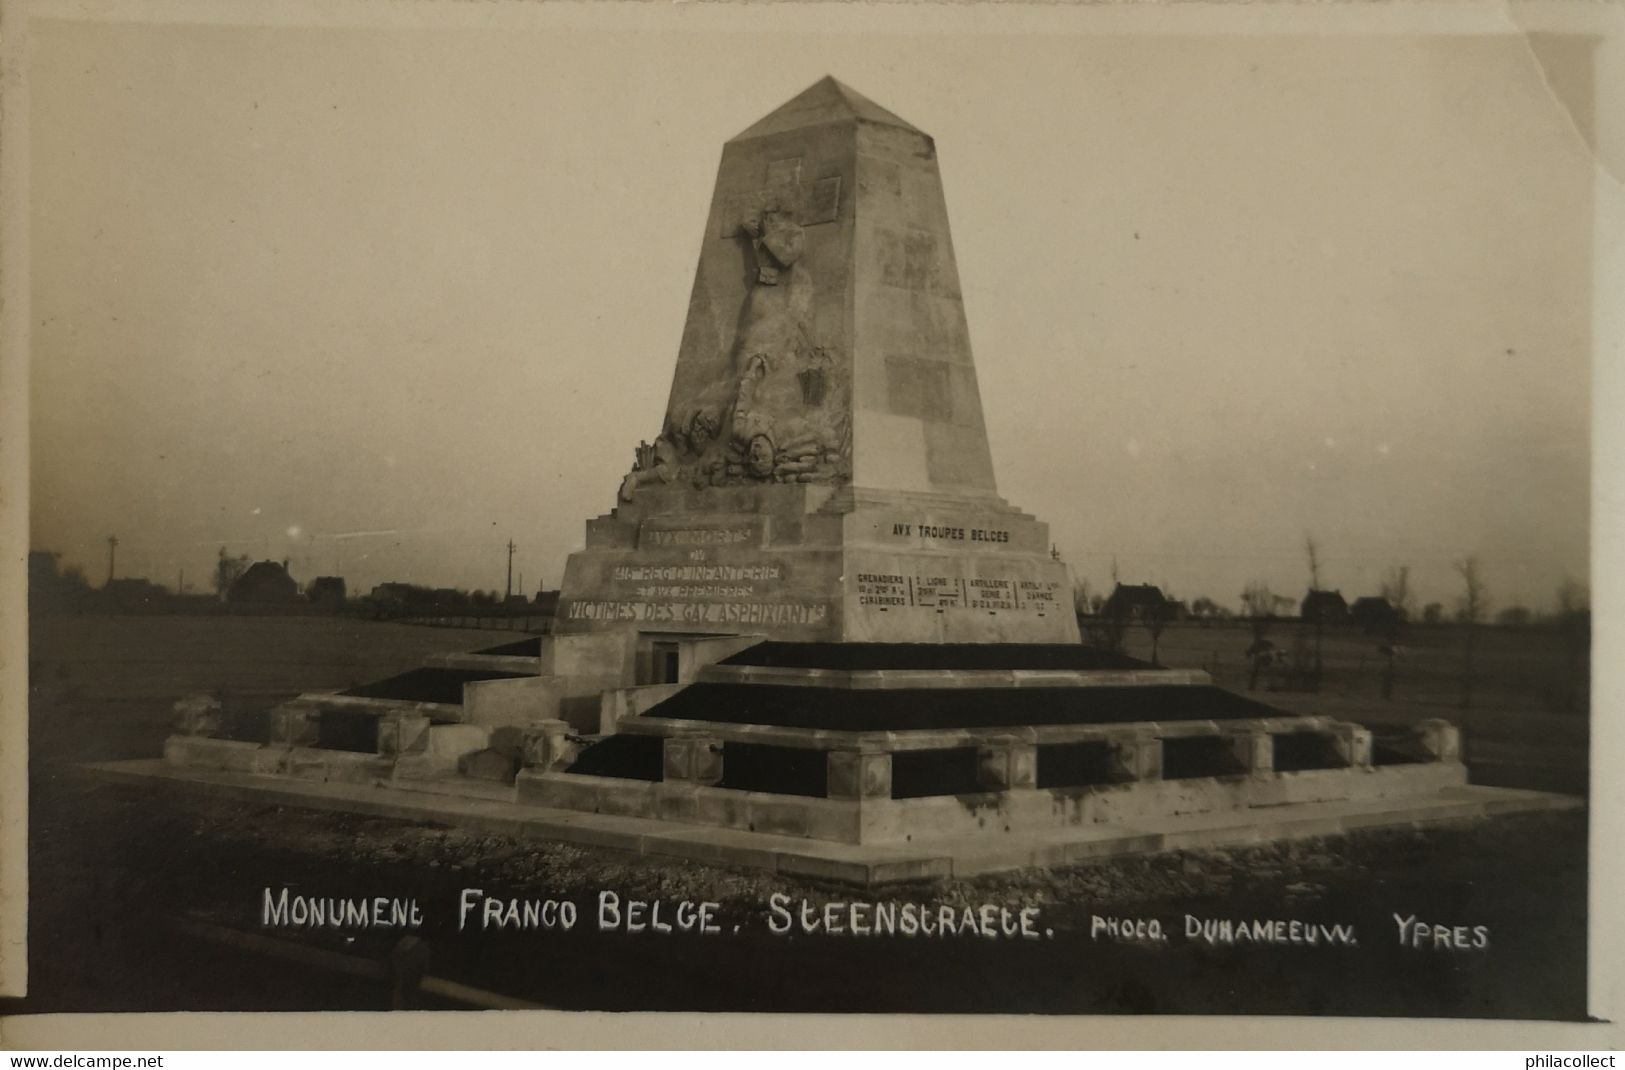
(825,340)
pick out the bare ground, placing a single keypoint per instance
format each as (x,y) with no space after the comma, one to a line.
(115,866)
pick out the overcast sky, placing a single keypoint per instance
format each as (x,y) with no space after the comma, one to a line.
(380,299)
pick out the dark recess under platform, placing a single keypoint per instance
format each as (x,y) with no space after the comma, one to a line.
(926,708)
(781,770)
(354,732)
(627,757)
(522,648)
(864,657)
(444,686)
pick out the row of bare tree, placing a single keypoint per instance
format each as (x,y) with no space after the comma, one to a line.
(1262,608)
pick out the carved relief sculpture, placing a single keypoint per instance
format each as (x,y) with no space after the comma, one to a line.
(783,416)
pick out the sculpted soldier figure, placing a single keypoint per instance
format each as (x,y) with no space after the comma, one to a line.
(773,420)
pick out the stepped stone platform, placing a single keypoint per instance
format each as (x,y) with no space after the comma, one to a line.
(864,744)
(860,762)
(481,807)
(811,635)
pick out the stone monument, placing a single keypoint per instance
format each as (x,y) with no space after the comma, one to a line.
(822,471)
(811,636)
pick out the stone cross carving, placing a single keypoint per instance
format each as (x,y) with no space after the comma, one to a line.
(811,203)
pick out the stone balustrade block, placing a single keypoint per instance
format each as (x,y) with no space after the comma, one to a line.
(1001,767)
(855,775)
(198,715)
(1353,744)
(1440,738)
(1136,758)
(405,734)
(1255,751)
(547,745)
(692,759)
(295,726)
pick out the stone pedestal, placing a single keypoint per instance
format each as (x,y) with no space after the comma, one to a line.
(403,734)
(548,745)
(801,562)
(198,715)
(1353,745)
(1255,751)
(692,759)
(295,725)
(1136,758)
(856,775)
(1006,766)
(1440,738)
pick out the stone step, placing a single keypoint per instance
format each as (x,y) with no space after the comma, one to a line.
(855,864)
(439,685)
(935,679)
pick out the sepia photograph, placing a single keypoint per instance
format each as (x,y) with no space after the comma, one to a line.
(753,508)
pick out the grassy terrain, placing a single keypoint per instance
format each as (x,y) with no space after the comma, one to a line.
(113,866)
(103,686)
(1527,724)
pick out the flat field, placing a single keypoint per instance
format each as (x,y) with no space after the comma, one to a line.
(124,880)
(1526,725)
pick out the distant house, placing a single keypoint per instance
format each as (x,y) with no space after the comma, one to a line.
(546,602)
(42,569)
(394,598)
(1325,607)
(44,576)
(1131,601)
(400,597)
(52,587)
(327,591)
(395,594)
(264,582)
(1375,615)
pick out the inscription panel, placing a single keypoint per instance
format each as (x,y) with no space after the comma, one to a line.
(930,588)
(882,589)
(992,593)
(957,532)
(703,573)
(938,592)
(697,581)
(938,597)
(942,578)
(671,533)
(697,612)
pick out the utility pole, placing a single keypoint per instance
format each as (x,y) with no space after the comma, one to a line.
(112,552)
(509,592)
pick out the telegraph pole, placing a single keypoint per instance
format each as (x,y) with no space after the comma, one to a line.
(509,592)
(112,552)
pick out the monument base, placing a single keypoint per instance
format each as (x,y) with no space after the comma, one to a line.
(491,809)
(888,743)
(811,563)
(859,762)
